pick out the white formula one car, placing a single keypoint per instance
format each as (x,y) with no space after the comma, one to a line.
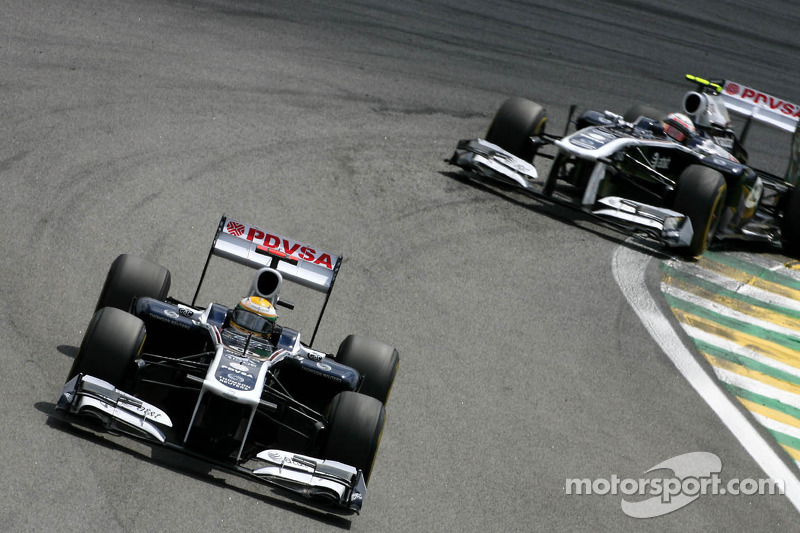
(681,178)
(231,386)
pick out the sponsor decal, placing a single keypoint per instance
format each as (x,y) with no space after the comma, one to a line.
(235,229)
(762,99)
(725,142)
(167,320)
(185,311)
(732,88)
(148,413)
(244,372)
(754,195)
(170,313)
(294,249)
(239,366)
(323,366)
(659,162)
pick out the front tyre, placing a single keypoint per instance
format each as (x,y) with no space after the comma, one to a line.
(700,195)
(377,362)
(355,426)
(514,123)
(112,342)
(131,276)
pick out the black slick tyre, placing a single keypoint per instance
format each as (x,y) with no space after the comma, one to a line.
(700,195)
(131,276)
(790,225)
(514,123)
(355,426)
(377,362)
(112,342)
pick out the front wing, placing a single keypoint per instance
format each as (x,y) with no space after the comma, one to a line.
(86,398)
(487,161)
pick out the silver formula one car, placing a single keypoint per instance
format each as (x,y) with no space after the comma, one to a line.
(231,386)
(681,178)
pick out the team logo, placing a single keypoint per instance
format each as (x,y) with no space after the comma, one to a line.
(235,229)
(731,88)
(238,366)
(660,162)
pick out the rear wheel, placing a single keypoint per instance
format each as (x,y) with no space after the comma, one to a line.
(514,123)
(790,227)
(354,432)
(376,361)
(131,276)
(700,195)
(112,342)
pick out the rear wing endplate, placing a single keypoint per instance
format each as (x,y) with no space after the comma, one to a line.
(257,248)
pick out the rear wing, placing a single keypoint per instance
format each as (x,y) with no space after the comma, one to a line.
(761,107)
(257,248)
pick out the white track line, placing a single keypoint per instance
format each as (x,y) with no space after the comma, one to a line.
(629,267)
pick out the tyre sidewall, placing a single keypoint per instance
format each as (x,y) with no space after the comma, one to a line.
(355,427)
(376,361)
(514,123)
(131,276)
(700,194)
(112,342)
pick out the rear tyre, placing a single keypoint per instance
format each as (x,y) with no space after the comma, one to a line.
(355,427)
(700,195)
(131,276)
(514,123)
(790,227)
(376,361)
(643,111)
(112,342)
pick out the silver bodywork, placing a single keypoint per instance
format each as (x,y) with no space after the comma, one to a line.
(488,161)
(237,377)
(237,373)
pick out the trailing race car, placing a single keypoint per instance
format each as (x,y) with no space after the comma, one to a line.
(682,179)
(231,386)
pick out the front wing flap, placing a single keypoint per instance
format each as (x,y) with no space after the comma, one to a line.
(116,410)
(488,161)
(491,161)
(340,485)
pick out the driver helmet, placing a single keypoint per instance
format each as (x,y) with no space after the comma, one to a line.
(254,315)
(679,127)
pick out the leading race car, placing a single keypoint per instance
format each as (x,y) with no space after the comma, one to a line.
(231,386)
(682,178)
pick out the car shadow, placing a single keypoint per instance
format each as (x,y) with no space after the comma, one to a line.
(69,351)
(192,467)
(571,217)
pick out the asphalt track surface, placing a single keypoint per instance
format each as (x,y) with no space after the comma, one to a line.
(132,126)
